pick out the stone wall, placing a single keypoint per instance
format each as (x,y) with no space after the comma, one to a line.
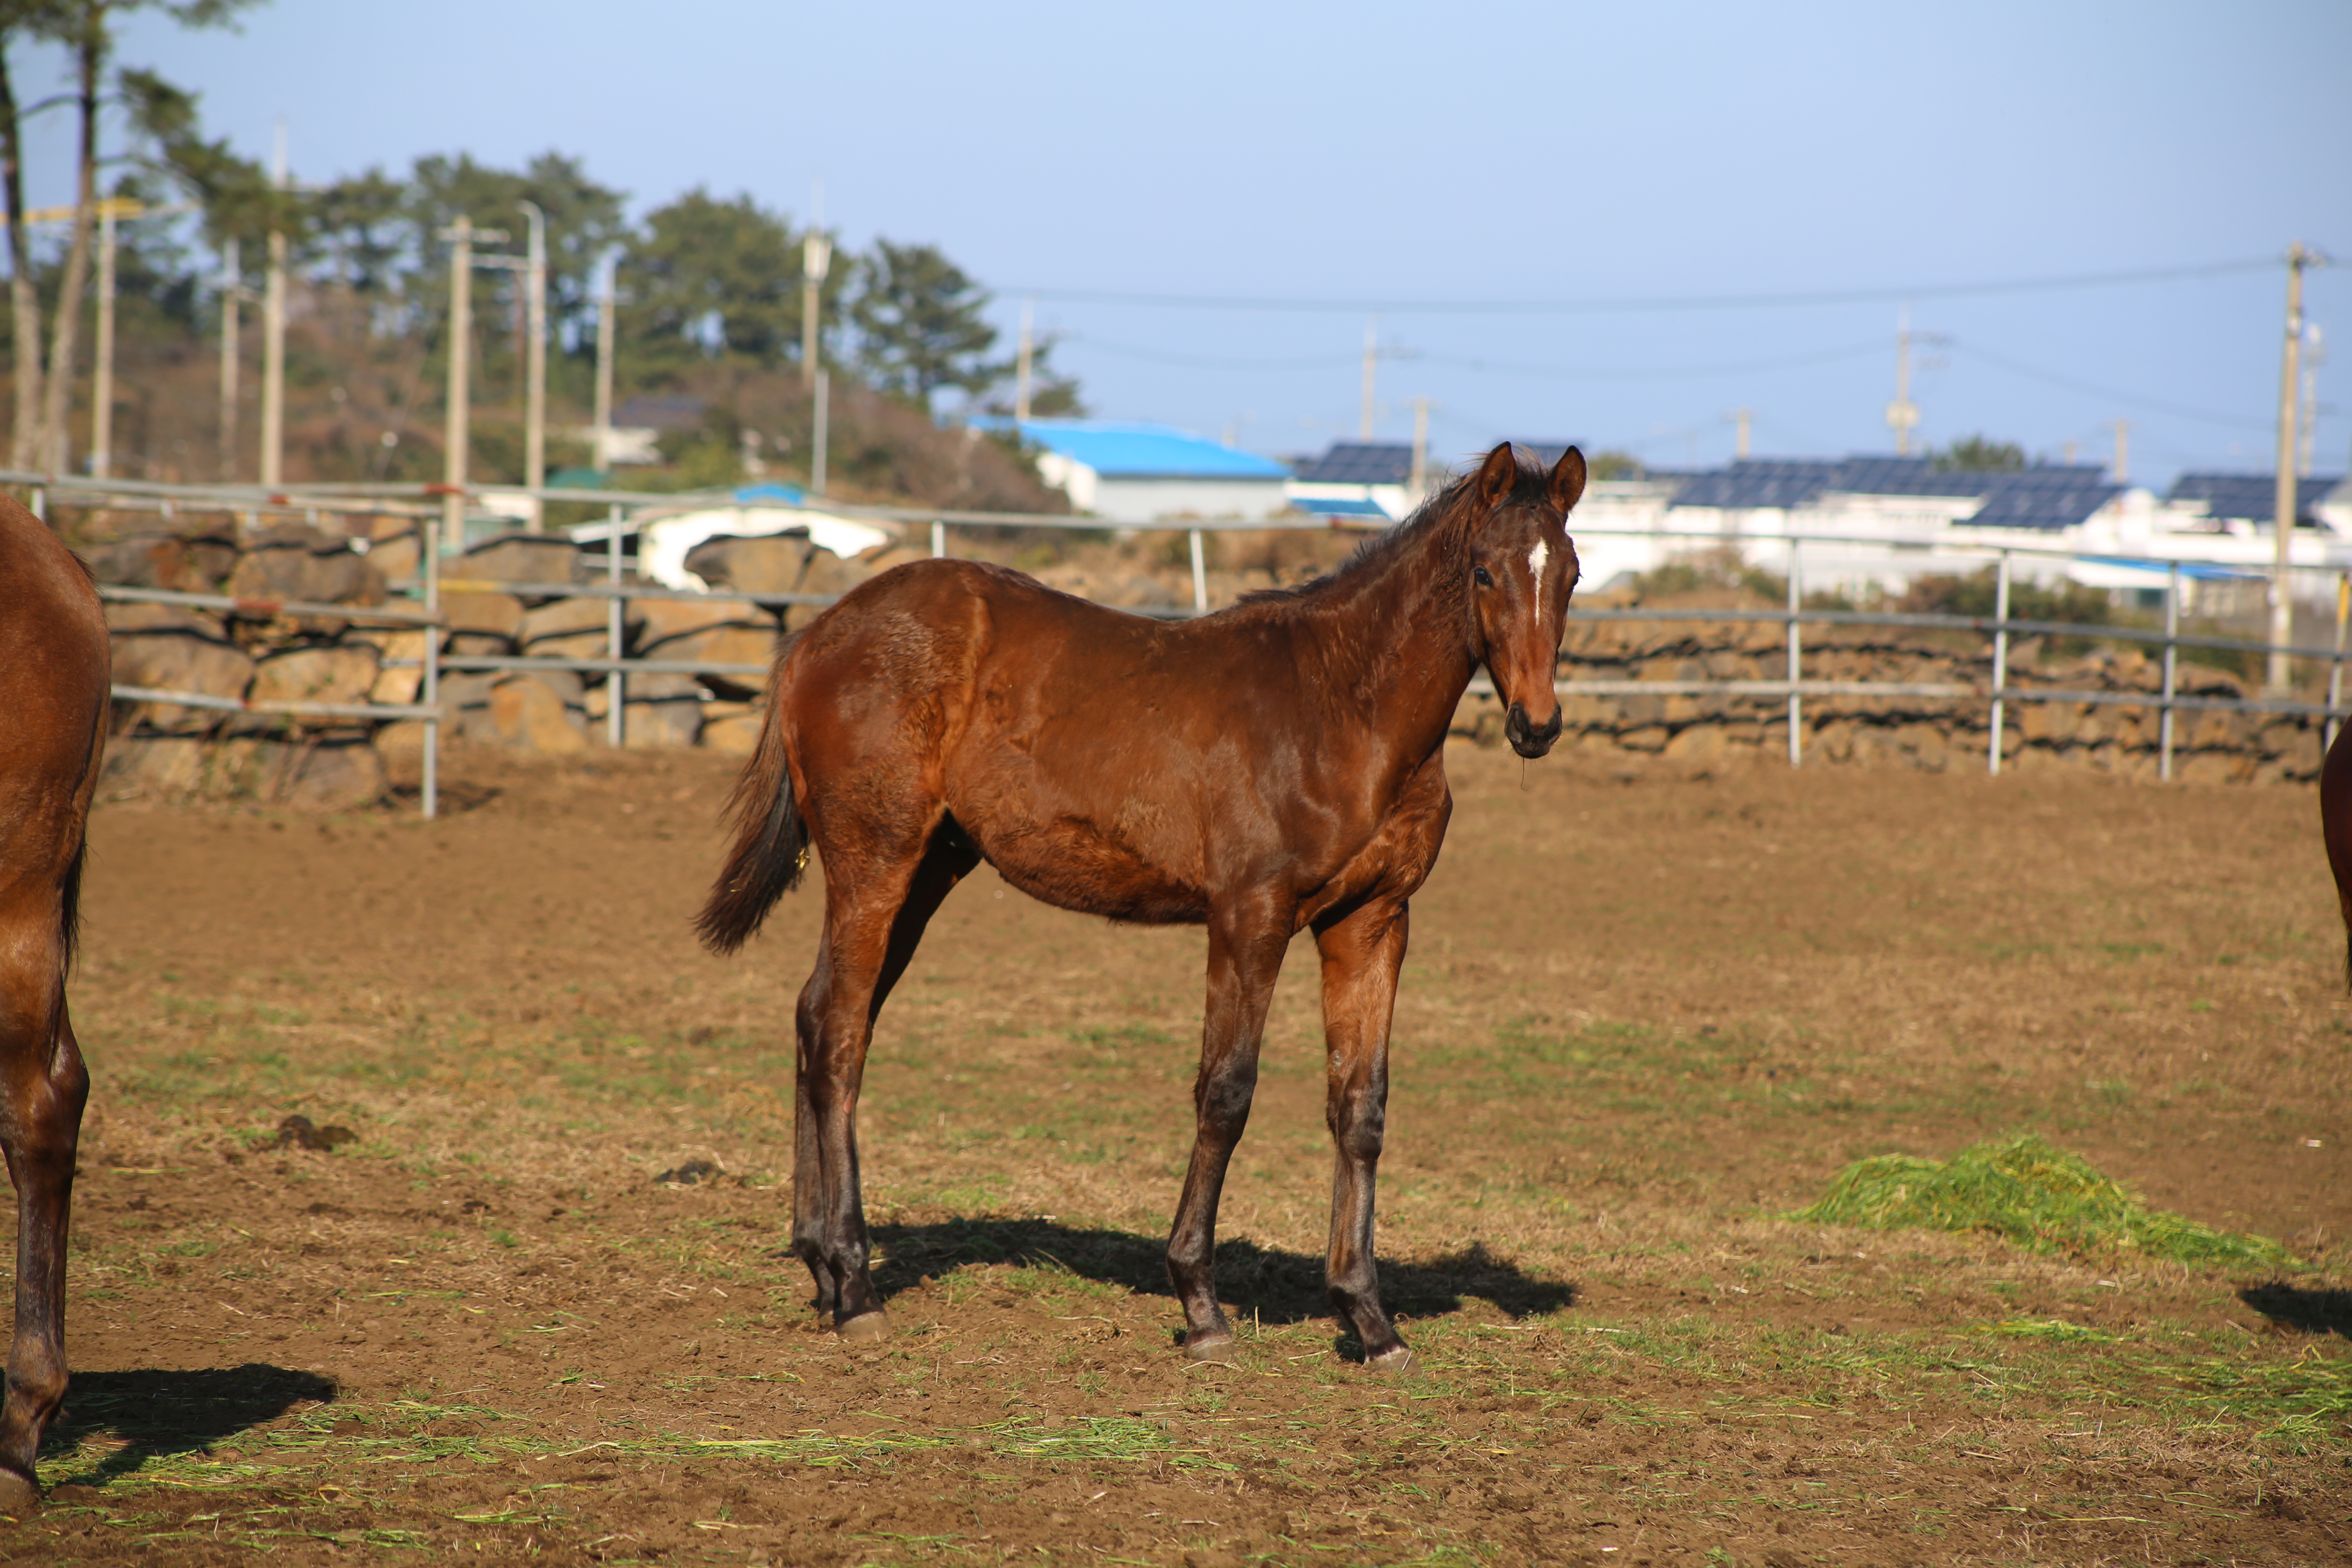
(164,750)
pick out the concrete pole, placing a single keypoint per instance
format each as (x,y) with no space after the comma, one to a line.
(816,261)
(457,430)
(1903,413)
(534,410)
(273,337)
(2123,451)
(2283,509)
(1371,375)
(605,309)
(1022,366)
(102,392)
(1742,419)
(819,436)
(231,296)
(1418,486)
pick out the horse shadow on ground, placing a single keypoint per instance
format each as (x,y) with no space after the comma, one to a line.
(155,1414)
(2312,1311)
(1269,1283)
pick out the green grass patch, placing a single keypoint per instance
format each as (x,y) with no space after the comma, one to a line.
(2033,1196)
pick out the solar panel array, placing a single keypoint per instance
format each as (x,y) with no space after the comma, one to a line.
(2047,498)
(1360,463)
(2251,498)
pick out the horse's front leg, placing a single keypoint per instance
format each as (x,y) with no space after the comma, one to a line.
(41,1098)
(1245,948)
(1362,955)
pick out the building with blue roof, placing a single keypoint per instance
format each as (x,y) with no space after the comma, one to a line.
(1132,472)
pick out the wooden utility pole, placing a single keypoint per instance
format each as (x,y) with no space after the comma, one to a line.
(101,389)
(273,336)
(232,281)
(1021,368)
(534,412)
(2283,509)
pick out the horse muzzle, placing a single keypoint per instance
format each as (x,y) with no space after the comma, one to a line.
(1530,739)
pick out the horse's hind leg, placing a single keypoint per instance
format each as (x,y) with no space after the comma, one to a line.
(872,928)
(1362,955)
(42,1086)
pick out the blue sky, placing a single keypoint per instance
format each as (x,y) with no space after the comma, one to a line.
(1373,153)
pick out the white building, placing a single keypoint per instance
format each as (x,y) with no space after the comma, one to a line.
(1154,473)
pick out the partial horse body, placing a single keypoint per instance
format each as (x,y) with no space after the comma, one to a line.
(2336,829)
(54,672)
(1275,768)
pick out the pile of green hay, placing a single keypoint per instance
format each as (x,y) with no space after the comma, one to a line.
(2030,1194)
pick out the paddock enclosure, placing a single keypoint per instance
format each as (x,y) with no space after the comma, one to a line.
(537,1305)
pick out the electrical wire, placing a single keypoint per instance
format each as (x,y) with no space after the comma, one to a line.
(2177,410)
(1640,305)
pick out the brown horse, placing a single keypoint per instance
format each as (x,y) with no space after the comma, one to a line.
(1275,768)
(53,664)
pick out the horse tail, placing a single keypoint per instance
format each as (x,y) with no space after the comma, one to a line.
(770,847)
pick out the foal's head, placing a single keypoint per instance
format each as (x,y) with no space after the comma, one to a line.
(1522,569)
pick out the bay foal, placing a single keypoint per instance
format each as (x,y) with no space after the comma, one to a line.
(54,665)
(1275,768)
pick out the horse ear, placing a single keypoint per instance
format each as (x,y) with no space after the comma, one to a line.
(1496,475)
(1567,481)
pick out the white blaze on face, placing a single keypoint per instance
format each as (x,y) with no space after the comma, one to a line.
(1535,559)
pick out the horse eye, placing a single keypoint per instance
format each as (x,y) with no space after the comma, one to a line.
(1485,580)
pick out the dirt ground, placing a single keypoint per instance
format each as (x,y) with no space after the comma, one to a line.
(1642,1021)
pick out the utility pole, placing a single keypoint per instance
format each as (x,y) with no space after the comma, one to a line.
(231,284)
(1742,419)
(101,391)
(458,431)
(2283,500)
(2315,354)
(816,261)
(273,336)
(534,413)
(605,308)
(1903,415)
(2123,451)
(1419,485)
(1372,372)
(1021,368)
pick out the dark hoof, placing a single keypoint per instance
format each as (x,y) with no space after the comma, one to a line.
(1395,1361)
(20,1498)
(865,1328)
(1209,1346)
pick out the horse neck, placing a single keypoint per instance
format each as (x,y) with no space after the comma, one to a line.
(1400,648)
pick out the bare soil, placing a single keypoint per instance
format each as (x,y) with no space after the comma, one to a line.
(1642,1022)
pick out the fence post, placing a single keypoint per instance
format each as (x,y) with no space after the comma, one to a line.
(939,541)
(429,530)
(2336,665)
(2171,630)
(1796,665)
(1999,662)
(1199,577)
(616,685)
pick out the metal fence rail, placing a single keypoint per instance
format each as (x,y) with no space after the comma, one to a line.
(417,502)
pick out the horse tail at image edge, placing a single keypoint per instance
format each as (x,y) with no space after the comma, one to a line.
(771,848)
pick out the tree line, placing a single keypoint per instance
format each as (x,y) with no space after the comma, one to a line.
(702,281)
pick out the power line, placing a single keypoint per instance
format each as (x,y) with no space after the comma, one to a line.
(1661,372)
(1659,303)
(2054,378)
